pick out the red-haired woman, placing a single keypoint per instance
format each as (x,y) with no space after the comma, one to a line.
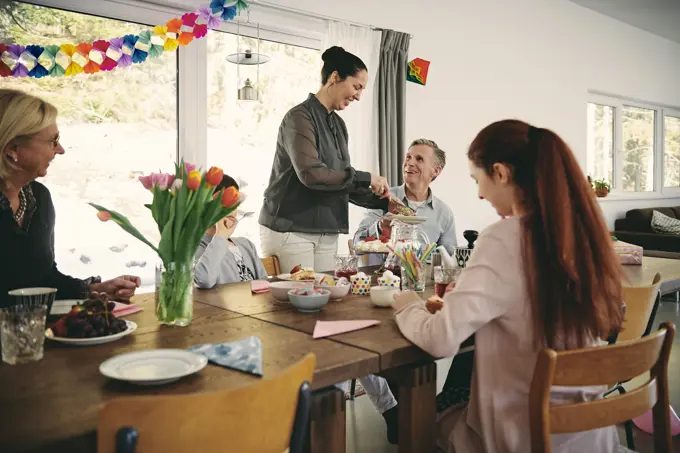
(547,276)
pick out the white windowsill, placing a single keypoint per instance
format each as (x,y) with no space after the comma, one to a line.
(638,197)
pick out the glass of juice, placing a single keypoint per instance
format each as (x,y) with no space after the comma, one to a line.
(443,277)
(346,266)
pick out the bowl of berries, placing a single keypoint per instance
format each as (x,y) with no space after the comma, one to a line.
(309,299)
(89,323)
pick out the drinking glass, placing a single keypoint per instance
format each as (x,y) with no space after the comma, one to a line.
(443,277)
(22,333)
(346,266)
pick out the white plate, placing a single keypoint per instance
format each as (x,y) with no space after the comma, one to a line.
(131,327)
(412,219)
(62,307)
(317,277)
(153,367)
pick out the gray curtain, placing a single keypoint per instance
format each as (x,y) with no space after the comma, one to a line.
(392,104)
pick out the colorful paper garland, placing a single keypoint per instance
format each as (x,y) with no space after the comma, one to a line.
(89,58)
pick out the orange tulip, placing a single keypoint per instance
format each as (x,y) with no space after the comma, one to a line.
(194,180)
(104,216)
(214,176)
(230,197)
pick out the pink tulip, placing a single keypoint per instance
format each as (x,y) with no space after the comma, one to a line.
(189,167)
(169,178)
(161,180)
(146,182)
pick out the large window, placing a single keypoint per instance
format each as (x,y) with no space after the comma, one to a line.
(671,156)
(600,141)
(114,127)
(242,134)
(634,146)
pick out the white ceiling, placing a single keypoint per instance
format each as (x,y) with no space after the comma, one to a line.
(661,17)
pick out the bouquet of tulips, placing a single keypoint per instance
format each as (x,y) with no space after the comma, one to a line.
(183,207)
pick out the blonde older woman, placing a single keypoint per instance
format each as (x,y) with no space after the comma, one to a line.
(29,141)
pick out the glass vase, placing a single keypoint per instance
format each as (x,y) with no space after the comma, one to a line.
(411,282)
(174,293)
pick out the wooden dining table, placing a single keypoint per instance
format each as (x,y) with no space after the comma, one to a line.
(52,404)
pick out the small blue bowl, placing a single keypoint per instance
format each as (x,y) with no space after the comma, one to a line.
(309,304)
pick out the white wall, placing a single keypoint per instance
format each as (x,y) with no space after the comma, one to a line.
(528,59)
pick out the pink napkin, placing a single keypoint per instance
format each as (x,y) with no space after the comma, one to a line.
(259,286)
(328,328)
(125,309)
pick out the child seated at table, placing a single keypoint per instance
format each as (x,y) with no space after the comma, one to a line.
(222,258)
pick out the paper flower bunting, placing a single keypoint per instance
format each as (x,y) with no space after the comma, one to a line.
(48,59)
(142,47)
(226,12)
(111,54)
(207,16)
(69,59)
(97,55)
(172,33)
(63,59)
(5,71)
(11,58)
(200,30)
(37,69)
(84,50)
(186,30)
(241,5)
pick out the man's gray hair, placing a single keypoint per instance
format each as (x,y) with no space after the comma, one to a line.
(439,153)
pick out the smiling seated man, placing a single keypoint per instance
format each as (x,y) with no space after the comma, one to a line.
(423,163)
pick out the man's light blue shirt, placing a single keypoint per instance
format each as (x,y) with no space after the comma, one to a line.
(439,226)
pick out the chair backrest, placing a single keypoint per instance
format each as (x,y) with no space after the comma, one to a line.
(640,301)
(271,265)
(260,417)
(600,366)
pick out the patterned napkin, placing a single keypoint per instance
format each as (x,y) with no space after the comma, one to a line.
(243,355)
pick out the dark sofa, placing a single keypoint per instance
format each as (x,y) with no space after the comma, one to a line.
(636,229)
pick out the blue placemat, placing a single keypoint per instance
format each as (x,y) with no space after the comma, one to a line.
(243,355)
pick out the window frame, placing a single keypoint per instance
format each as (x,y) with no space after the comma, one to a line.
(192,135)
(675,113)
(660,111)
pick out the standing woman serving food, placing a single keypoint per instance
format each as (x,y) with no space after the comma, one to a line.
(312,182)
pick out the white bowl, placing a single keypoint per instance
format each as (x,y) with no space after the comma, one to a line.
(280,289)
(383,296)
(309,303)
(337,291)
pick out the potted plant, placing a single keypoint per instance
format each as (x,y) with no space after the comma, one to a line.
(602,187)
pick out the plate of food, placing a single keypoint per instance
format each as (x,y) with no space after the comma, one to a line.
(90,323)
(298,273)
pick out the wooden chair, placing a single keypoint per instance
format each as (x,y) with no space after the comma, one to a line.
(642,302)
(598,366)
(272,266)
(641,305)
(267,416)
